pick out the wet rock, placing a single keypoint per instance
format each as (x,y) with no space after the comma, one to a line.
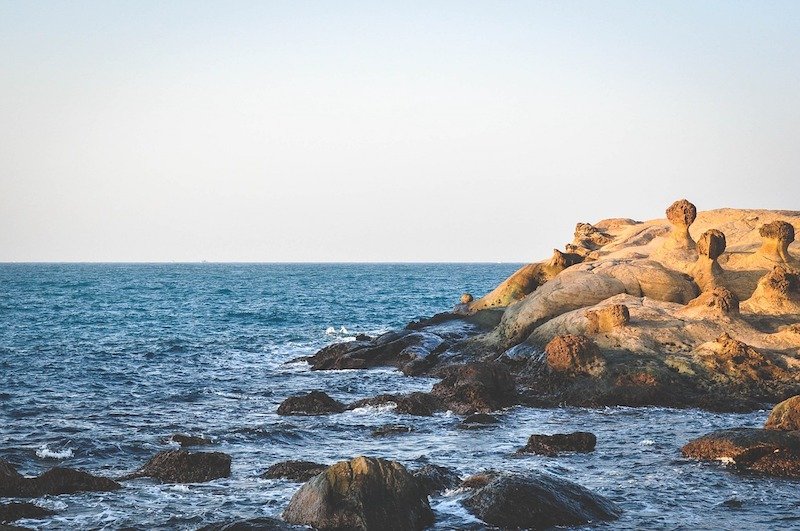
(10,512)
(55,481)
(479,480)
(476,387)
(262,523)
(391,429)
(733,503)
(294,470)
(552,445)
(361,494)
(573,354)
(785,416)
(181,466)
(607,318)
(417,403)
(480,418)
(312,403)
(435,479)
(537,501)
(186,440)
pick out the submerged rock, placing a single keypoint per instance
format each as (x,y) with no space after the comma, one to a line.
(435,478)
(10,512)
(417,403)
(181,466)
(362,494)
(537,501)
(551,445)
(480,419)
(186,440)
(390,429)
(294,470)
(55,481)
(312,403)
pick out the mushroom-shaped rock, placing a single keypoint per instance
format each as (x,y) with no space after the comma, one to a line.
(681,213)
(362,494)
(778,292)
(476,387)
(777,236)
(537,501)
(607,318)
(182,466)
(678,250)
(435,478)
(711,244)
(717,302)
(312,403)
(785,416)
(294,470)
(551,445)
(573,354)
(707,272)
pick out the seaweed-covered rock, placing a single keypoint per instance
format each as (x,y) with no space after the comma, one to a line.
(362,494)
(537,501)
(182,466)
(311,403)
(552,445)
(294,470)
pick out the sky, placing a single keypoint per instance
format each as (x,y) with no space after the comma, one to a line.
(382,131)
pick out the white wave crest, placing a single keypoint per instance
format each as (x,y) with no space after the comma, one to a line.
(46,453)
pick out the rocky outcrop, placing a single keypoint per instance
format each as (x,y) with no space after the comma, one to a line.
(10,512)
(537,501)
(785,416)
(294,470)
(770,452)
(435,479)
(777,235)
(182,466)
(311,403)
(777,293)
(707,272)
(552,445)
(607,318)
(574,355)
(476,387)
(362,494)
(54,482)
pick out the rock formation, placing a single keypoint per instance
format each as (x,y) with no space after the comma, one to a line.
(54,482)
(181,466)
(552,445)
(435,479)
(785,416)
(294,470)
(312,403)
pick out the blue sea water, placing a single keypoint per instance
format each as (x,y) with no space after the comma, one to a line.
(100,362)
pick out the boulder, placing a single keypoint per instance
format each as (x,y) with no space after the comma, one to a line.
(312,403)
(416,403)
(362,494)
(607,318)
(785,416)
(552,445)
(55,481)
(537,501)
(300,471)
(574,354)
(435,479)
(10,512)
(778,292)
(713,303)
(186,440)
(476,387)
(182,466)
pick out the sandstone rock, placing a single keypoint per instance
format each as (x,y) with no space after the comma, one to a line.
(785,416)
(466,298)
(707,272)
(10,512)
(294,470)
(728,358)
(361,494)
(181,466)
(574,354)
(681,213)
(714,303)
(607,318)
(416,403)
(312,403)
(777,235)
(55,481)
(537,501)
(551,445)
(778,292)
(435,479)
(711,244)
(590,237)
(476,387)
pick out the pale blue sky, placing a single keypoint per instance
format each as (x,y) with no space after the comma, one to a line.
(375,131)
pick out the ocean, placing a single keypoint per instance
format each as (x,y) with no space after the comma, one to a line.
(99,363)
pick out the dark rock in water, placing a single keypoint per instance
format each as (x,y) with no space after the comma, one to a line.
(362,494)
(551,445)
(312,403)
(262,523)
(435,478)
(538,501)
(390,429)
(294,470)
(19,510)
(479,480)
(8,527)
(417,403)
(363,337)
(785,416)
(771,452)
(733,503)
(181,466)
(476,387)
(190,440)
(55,481)
(480,418)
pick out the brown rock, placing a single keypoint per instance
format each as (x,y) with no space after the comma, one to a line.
(466,298)
(362,494)
(294,470)
(312,403)
(778,292)
(739,361)
(476,387)
(785,416)
(607,318)
(711,244)
(718,301)
(551,445)
(776,239)
(574,354)
(681,213)
(55,481)
(589,237)
(181,466)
